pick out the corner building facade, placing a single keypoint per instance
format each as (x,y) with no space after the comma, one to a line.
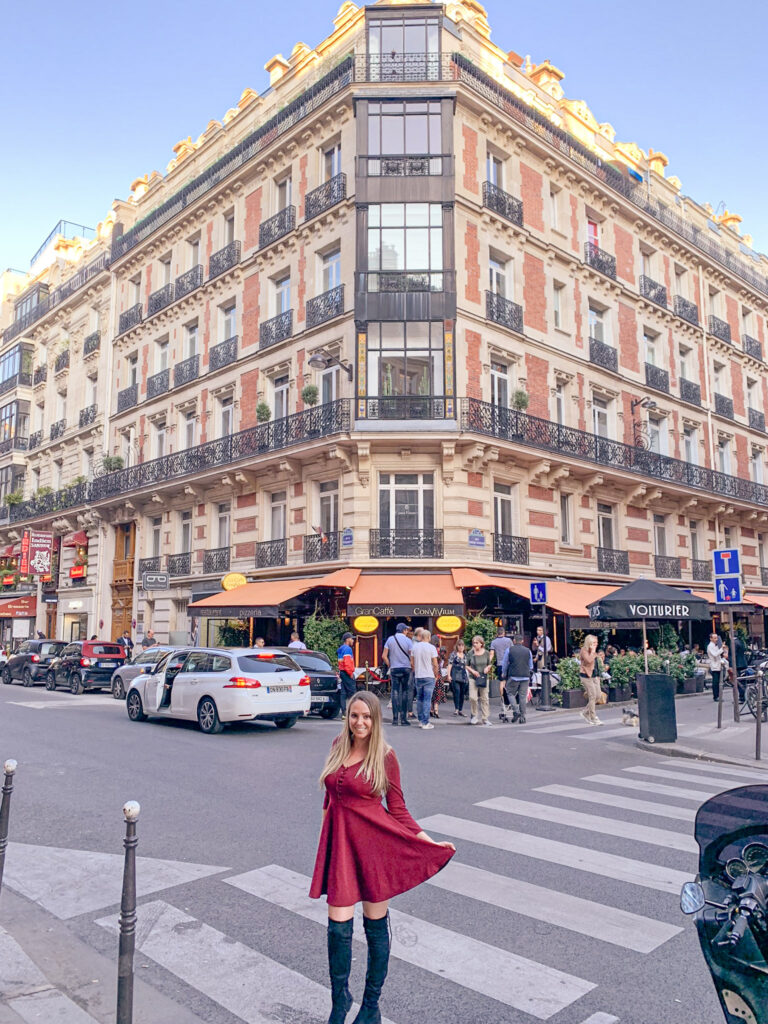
(413,309)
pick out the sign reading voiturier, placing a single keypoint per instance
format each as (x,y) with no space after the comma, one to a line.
(155,580)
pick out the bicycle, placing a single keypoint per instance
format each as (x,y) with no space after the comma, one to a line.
(751,694)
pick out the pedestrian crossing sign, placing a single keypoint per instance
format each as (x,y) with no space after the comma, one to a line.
(728,590)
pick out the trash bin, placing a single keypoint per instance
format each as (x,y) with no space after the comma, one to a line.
(656,708)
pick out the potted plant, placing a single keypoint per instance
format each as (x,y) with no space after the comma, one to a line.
(14,498)
(624,668)
(263,412)
(685,673)
(569,687)
(310,394)
(520,400)
(112,463)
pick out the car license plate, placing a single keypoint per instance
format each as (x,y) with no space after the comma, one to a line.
(278,689)
(320,700)
(107,664)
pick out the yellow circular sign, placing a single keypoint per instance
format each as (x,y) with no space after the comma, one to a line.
(365,624)
(449,624)
(232,580)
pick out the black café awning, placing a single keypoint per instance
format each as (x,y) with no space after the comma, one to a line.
(647,599)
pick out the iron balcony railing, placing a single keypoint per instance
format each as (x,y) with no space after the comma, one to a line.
(62,361)
(657,378)
(180,565)
(18,379)
(127,398)
(92,343)
(130,318)
(185,371)
(690,392)
(224,260)
(686,309)
(667,567)
(276,227)
(158,383)
(271,553)
(216,560)
(402,67)
(223,354)
(35,440)
(404,407)
(325,196)
(406,281)
(40,375)
(503,311)
(16,443)
(160,299)
(508,548)
(652,290)
(404,543)
(701,570)
(724,406)
(275,330)
(188,281)
(764,575)
(326,306)
(321,547)
(57,429)
(501,202)
(603,355)
(522,429)
(613,560)
(600,259)
(411,165)
(151,564)
(57,501)
(719,328)
(752,347)
(87,416)
(757,419)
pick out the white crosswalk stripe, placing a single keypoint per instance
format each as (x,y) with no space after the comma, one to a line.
(746,774)
(68,703)
(615,781)
(523,984)
(601,1018)
(619,800)
(664,773)
(605,734)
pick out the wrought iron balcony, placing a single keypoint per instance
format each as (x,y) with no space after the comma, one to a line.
(724,406)
(62,361)
(223,260)
(501,202)
(87,415)
(686,309)
(188,281)
(40,375)
(325,306)
(652,290)
(275,330)
(57,429)
(160,299)
(321,548)
(150,564)
(405,407)
(752,347)
(35,440)
(130,318)
(719,328)
(185,371)
(127,398)
(327,195)
(603,355)
(276,227)
(271,553)
(92,343)
(657,378)
(667,567)
(406,281)
(757,419)
(12,382)
(180,565)
(402,543)
(223,354)
(690,392)
(504,311)
(701,570)
(764,575)
(613,560)
(216,560)
(402,67)
(67,497)
(16,443)
(158,383)
(508,548)
(600,259)
(411,165)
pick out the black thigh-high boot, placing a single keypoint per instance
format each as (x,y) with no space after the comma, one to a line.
(377,934)
(339,964)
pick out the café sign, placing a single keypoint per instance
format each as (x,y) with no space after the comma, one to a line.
(392,610)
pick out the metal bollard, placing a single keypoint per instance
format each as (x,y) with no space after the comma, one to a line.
(546,691)
(5,809)
(127,918)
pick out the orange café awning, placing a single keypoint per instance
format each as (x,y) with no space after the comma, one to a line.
(263,599)
(569,598)
(393,594)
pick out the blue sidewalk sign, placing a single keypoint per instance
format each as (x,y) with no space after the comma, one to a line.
(726,562)
(538,593)
(728,590)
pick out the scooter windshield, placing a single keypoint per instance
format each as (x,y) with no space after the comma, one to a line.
(732,833)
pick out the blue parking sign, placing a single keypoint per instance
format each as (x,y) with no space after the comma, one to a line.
(728,590)
(726,562)
(538,593)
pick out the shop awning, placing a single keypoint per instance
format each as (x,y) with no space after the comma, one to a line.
(76,540)
(761,600)
(16,550)
(393,594)
(7,551)
(24,607)
(263,599)
(569,598)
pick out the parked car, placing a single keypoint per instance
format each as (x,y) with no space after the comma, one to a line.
(122,676)
(323,681)
(30,663)
(213,686)
(85,665)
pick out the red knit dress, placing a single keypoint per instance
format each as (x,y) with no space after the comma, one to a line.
(366,851)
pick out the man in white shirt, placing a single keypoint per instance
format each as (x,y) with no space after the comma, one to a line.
(296,643)
(424,664)
(715,658)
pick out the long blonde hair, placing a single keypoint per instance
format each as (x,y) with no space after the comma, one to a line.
(372,767)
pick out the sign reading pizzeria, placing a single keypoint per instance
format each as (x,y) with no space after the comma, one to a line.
(36,552)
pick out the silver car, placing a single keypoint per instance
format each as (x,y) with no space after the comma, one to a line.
(121,678)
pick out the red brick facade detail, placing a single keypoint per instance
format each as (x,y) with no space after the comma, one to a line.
(247,550)
(249,397)
(537,385)
(474,508)
(534,293)
(545,519)
(474,366)
(742,457)
(626,408)
(540,493)
(204,415)
(578,319)
(298,490)
(581,406)
(251,313)
(475,479)
(628,347)
(732,316)
(245,500)
(585,525)
(302,289)
(298,543)
(471,166)
(302,184)
(737,386)
(586,501)
(633,512)
(625,254)
(472,263)
(575,225)
(246,525)
(635,533)
(206,334)
(541,547)
(207,246)
(533,199)
(639,558)
(252,218)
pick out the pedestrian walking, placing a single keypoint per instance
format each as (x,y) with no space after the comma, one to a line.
(457,669)
(589,673)
(346,657)
(478,669)
(516,673)
(500,645)
(396,655)
(438,694)
(366,853)
(715,657)
(425,672)
(297,643)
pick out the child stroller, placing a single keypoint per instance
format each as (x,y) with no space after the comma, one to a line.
(506,713)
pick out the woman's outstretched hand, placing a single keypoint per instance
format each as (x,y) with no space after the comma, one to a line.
(446,844)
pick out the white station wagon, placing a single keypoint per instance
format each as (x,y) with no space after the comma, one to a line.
(213,686)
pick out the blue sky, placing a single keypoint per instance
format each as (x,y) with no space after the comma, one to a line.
(96,94)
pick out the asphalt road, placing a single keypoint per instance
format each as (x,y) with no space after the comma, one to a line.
(528,923)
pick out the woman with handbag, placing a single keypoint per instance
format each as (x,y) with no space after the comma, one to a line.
(457,673)
(589,673)
(478,669)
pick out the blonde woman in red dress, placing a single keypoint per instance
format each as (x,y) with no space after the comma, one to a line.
(367,853)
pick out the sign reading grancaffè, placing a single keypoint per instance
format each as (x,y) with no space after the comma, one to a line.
(391,610)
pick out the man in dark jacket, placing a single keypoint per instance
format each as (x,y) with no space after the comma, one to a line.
(741,663)
(516,673)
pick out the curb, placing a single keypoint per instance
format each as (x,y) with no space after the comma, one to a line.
(672,750)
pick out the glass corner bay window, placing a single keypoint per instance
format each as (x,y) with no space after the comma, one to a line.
(405,247)
(405,359)
(400,128)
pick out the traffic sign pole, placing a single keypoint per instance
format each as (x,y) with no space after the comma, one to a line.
(735,670)
(546,687)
